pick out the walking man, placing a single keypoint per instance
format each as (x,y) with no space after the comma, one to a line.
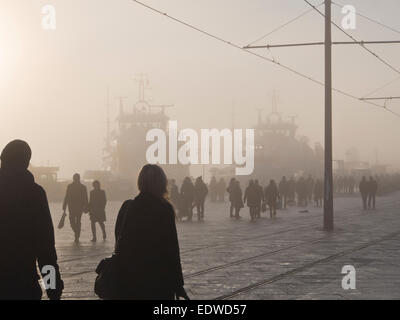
(97,209)
(200,195)
(372,189)
(363,187)
(76,199)
(271,196)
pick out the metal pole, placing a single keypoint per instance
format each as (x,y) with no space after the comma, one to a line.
(328,182)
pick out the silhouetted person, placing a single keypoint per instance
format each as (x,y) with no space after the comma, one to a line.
(363,187)
(213,189)
(259,199)
(201,191)
(284,191)
(97,209)
(309,188)
(372,189)
(221,190)
(230,190)
(301,190)
(237,198)
(292,190)
(187,197)
(318,192)
(174,193)
(147,252)
(250,198)
(26,230)
(76,199)
(271,196)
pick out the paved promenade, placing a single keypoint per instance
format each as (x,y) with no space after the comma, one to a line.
(290,257)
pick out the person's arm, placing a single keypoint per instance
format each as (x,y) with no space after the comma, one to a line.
(66,199)
(45,248)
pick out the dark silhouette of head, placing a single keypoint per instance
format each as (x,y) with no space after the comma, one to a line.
(153,180)
(16,155)
(187,181)
(363,178)
(96,185)
(76,178)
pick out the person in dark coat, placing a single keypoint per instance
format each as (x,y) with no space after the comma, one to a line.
(372,189)
(259,199)
(76,199)
(250,198)
(187,197)
(97,209)
(237,200)
(271,196)
(301,190)
(284,191)
(363,187)
(147,250)
(201,191)
(318,192)
(292,191)
(26,231)
(230,190)
(309,189)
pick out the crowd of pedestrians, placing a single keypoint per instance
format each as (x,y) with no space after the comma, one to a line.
(146,262)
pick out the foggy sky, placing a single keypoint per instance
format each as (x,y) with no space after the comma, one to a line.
(53,84)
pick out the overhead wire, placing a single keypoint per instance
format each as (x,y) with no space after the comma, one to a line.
(274,61)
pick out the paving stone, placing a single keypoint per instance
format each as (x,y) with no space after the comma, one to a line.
(287,258)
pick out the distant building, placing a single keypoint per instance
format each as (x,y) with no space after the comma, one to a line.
(125,153)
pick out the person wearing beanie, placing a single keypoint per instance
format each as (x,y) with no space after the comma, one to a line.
(26,230)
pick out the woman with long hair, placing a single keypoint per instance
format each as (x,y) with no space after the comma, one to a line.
(147,248)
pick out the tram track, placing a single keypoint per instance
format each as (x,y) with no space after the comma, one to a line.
(306,266)
(233,263)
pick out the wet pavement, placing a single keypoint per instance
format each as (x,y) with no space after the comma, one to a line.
(290,257)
